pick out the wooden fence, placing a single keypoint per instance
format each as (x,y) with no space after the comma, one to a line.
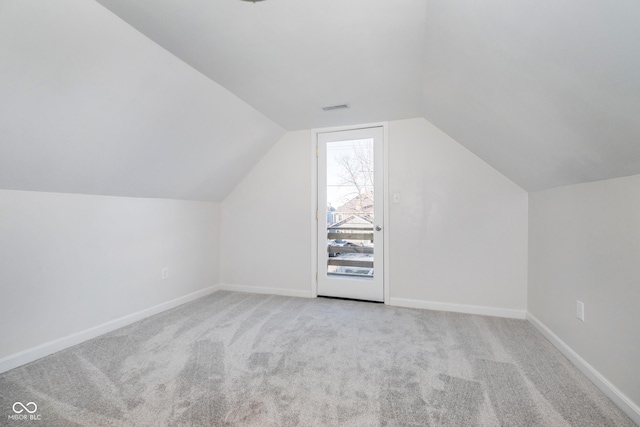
(350,233)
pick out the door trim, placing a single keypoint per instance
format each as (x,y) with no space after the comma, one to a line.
(315,207)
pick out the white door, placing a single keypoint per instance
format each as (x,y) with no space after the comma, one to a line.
(350,214)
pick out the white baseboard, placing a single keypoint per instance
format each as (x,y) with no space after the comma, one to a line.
(18,359)
(459,308)
(620,399)
(263,290)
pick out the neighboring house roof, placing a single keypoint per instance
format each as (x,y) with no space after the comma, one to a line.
(357,211)
(364,220)
(357,204)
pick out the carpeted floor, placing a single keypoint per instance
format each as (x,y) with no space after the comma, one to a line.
(257,360)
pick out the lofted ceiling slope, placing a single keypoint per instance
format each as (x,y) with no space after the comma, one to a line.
(290,58)
(546,92)
(179,99)
(89,105)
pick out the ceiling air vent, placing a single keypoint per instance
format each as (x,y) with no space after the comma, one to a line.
(336,107)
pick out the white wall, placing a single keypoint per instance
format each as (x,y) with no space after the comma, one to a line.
(72,262)
(459,237)
(584,245)
(266,222)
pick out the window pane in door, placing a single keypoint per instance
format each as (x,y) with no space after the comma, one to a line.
(350,213)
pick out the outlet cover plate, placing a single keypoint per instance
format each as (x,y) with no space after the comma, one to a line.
(580,310)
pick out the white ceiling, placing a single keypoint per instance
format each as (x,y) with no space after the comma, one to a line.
(89,105)
(290,58)
(546,92)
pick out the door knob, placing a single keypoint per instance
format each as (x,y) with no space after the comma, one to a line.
(378,228)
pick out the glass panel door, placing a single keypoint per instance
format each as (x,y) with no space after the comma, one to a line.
(349,232)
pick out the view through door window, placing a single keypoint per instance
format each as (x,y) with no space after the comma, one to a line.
(350,201)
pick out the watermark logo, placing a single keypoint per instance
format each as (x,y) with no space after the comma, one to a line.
(21,407)
(25,412)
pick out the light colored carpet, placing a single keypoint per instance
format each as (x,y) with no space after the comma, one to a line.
(257,360)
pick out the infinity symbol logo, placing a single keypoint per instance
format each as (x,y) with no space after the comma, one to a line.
(24,407)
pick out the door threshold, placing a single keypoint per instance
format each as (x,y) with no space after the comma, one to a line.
(351,299)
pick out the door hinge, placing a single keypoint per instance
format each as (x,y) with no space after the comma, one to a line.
(316,151)
(316,277)
(316,214)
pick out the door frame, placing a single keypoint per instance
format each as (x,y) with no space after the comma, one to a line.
(315,208)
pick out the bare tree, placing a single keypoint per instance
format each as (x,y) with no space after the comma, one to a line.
(357,171)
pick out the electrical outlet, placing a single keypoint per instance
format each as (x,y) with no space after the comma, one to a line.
(580,310)
(165,273)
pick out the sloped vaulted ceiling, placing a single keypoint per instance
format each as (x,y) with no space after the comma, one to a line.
(546,92)
(89,105)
